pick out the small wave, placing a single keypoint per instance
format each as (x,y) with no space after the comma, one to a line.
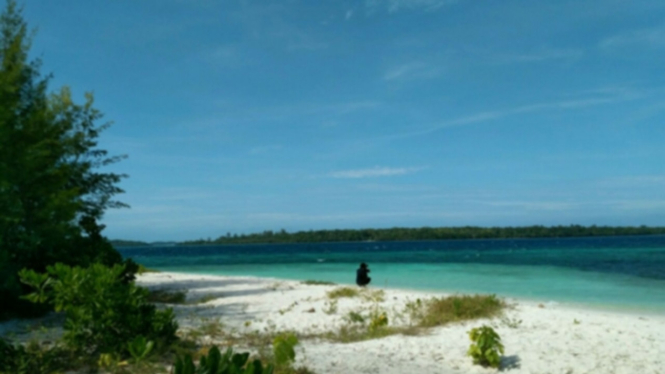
(320,260)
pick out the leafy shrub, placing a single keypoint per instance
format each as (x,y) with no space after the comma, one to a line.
(283,348)
(30,359)
(140,348)
(110,361)
(486,348)
(103,313)
(216,363)
(377,321)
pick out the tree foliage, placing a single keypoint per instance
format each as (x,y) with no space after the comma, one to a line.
(52,193)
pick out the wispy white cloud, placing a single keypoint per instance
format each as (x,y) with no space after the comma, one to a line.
(650,37)
(539,55)
(633,181)
(373,172)
(412,70)
(537,205)
(272,23)
(349,14)
(265,149)
(525,109)
(638,205)
(393,6)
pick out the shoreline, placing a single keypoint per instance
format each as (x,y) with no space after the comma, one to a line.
(539,338)
(578,305)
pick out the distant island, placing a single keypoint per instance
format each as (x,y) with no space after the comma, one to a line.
(404,234)
(137,243)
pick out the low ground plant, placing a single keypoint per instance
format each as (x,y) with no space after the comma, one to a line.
(341,292)
(330,307)
(317,283)
(144,270)
(372,325)
(167,297)
(440,311)
(377,320)
(486,348)
(32,358)
(354,317)
(284,349)
(205,298)
(375,296)
(216,363)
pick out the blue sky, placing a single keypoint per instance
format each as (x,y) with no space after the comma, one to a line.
(244,116)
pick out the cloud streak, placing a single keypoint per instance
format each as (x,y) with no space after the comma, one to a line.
(649,37)
(372,173)
(524,109)
(412,70)
(393,6)
(540,55)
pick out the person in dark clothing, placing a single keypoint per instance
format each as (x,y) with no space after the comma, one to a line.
(361,275)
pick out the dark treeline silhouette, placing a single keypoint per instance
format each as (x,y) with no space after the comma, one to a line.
(429,233)
(128,243)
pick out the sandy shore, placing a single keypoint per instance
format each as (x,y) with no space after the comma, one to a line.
(538,338)
(550,338)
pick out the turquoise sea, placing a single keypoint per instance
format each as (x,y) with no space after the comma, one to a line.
(625,273)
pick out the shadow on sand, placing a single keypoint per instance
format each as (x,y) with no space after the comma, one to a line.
(510,363)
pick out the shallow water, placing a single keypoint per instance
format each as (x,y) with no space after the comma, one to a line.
(616,272)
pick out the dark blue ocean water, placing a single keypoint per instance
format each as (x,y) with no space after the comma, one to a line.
(617,272)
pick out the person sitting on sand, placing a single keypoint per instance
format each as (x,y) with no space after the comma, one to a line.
(361,275)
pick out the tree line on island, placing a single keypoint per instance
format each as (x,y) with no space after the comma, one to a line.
(425,233)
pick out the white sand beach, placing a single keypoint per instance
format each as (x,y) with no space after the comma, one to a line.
(538,338)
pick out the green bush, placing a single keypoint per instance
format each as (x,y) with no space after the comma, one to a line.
(216,363)
(486,348)
(284,348)
(103,312)
(30,359)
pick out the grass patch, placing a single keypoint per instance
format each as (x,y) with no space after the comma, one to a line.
(142,270)
(366,294)
(440,311)
(317,283)
(375,296)
(341,292)
(167,297)
(205,299)
(353,332)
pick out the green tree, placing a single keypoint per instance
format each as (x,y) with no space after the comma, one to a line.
(52,193)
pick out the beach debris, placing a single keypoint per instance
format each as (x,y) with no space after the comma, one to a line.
(311,310)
